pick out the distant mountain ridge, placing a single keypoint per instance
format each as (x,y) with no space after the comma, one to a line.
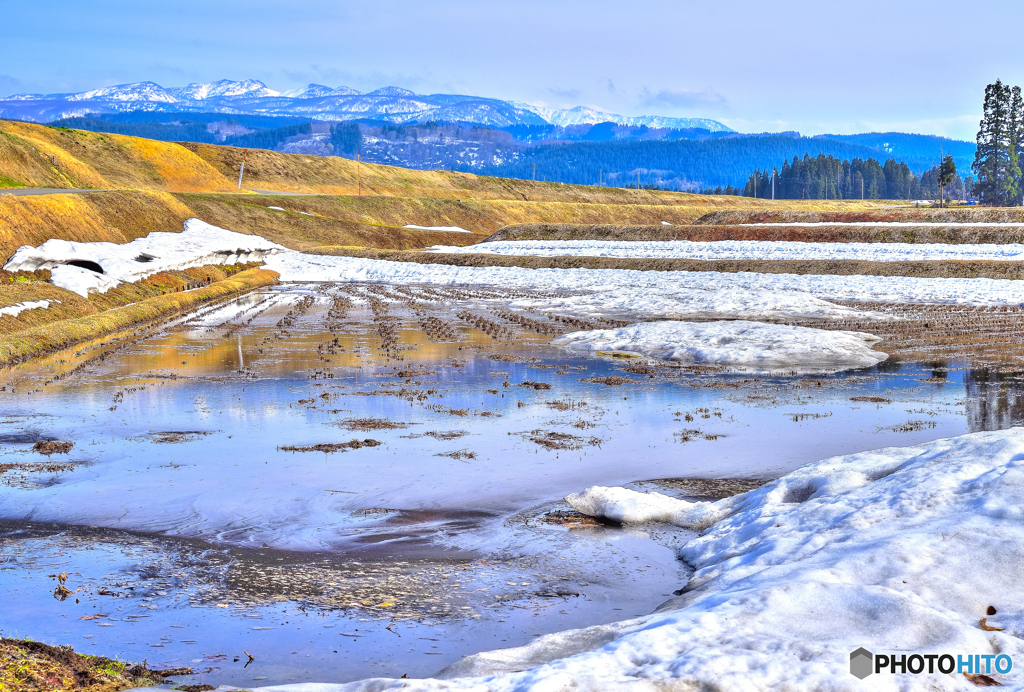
(319,102)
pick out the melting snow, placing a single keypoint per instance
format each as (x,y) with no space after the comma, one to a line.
(900,550)
(18,308)
(739,344)
(744,249)
(449,229)
(672,295)
(199,244)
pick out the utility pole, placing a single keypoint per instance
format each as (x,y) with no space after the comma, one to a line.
(940,173)
(241,169)
(359,177)
(600,177)
(861,188)
(638,178)
(773,184)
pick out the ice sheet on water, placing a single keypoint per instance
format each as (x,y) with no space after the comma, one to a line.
(739,344)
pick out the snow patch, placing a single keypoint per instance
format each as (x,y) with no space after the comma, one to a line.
(668,294)
(449,229)
(18,308)
(98,267)
(739,344)
(744,250)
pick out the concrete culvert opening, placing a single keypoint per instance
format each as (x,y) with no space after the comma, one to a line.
(86,264)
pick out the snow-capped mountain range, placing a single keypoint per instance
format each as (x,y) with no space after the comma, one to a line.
(319,102)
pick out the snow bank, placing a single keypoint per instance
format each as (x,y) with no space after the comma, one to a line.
(671,295)
(736,344)
(101,266)
(625,294)
(449,229)
(18,308)
(743,250)
(899,550)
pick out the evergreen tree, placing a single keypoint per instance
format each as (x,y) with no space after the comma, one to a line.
(947,174)
(1016,142)
(992,162)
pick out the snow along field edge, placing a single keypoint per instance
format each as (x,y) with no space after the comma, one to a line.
(744,250)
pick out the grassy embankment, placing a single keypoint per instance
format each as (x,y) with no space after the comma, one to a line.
(49,336)
(701,231)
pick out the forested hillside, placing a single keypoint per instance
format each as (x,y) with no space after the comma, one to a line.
(593,154)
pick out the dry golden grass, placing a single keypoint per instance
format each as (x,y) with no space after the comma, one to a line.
(37,156)
(36,341)
(115,217)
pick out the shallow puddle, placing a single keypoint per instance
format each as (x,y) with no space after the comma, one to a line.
(357,481)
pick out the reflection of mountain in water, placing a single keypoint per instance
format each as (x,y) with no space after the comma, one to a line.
(995,400)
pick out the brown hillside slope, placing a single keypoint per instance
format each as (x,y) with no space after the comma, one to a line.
(37,156)
(115,217)
(202,180)
(332,175)
(122,216)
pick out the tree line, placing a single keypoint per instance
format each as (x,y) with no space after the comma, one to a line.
(827,177)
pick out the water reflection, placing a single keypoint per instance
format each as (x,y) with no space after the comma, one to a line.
(994,399)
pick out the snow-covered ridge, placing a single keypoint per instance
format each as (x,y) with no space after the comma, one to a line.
(736,344)
(743,249)
(585,115)
(98,267)
(390,103)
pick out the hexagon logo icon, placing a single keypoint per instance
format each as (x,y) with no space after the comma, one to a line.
(861,663)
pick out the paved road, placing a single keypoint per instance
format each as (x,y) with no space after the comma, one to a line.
(26,191)
(287,194)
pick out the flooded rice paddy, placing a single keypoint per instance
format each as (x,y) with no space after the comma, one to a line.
(331,482)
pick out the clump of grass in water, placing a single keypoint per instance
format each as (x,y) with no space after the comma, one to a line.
(331,447)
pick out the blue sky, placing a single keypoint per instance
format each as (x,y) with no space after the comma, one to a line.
(857,66)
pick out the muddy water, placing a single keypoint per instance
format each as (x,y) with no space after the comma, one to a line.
(196,523)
